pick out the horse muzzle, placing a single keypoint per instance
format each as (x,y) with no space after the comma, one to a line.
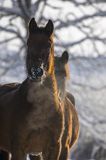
(36,73)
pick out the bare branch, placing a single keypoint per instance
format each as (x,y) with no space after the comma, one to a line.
(9,11)
(13,32)
(8,40)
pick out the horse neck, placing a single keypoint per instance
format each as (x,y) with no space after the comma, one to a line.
(51,80)
(28,85)
(23,89)
(55,88)
(61,83)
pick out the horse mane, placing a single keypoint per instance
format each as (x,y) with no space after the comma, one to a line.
(51,65)
(52,72)
(67,70)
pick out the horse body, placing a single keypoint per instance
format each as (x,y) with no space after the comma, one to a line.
(6,114)
(31,113)
(31,116)
(42,104)
(40,114)
(23,119)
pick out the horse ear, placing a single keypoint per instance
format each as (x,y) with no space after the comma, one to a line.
(32,25)
(65,57)
(49,27)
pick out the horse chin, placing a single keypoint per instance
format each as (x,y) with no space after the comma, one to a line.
(38,80)
(34,79)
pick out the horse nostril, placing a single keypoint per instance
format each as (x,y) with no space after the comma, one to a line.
(39,72)
(36,72)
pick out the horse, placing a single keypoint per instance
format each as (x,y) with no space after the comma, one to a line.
(31,116)
(71,132)
(62,74)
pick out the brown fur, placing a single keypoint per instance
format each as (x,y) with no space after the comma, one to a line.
(31,116)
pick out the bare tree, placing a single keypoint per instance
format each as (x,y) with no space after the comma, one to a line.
(26,9)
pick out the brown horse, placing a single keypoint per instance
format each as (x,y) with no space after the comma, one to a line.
(31,116)
(71,132)
(61,71)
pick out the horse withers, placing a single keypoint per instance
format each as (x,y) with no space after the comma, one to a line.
(31,116)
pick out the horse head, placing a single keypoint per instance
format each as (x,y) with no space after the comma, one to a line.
(39,60)
(62,72)
(61,66)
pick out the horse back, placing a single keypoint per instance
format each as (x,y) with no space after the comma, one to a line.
(7,105)
(6,88)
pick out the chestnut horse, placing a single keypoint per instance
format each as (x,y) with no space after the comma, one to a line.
(71,132)
(31,116)
(62,74)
